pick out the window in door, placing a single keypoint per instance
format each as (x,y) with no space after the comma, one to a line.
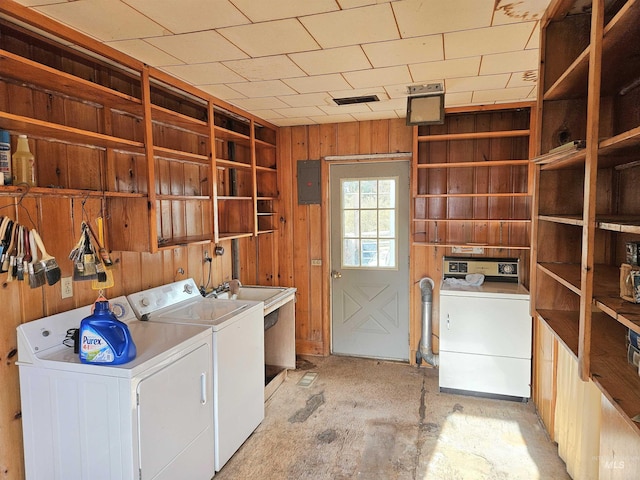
(369,227)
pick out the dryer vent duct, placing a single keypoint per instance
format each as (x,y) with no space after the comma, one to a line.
(425,349)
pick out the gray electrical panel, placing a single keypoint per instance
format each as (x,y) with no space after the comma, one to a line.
(308,182)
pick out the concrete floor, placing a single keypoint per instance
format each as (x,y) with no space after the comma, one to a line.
(369,419)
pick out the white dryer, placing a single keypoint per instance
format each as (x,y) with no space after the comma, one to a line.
(238,354)
(150,418)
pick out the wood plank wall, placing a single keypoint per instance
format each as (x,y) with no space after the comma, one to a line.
(58,221)
(302,229)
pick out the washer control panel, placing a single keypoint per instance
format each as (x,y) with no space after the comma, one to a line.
(494,269)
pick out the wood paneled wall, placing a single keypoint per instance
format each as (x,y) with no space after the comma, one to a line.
(58,221)
(303,230)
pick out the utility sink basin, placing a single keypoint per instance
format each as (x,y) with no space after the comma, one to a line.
(273,298)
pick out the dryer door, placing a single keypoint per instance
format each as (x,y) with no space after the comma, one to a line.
(175,419)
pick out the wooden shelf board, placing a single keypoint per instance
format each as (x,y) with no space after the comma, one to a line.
(620,49)
(265,214)
(235,198)
(473,135)
(471,195)
(232,235)
(49,78)
(562,159)
(573,82)
(266,169)
(221,162)
(619,223)
(620,142)
(176,119)
(474,220)
(183,241)
(626,313)
(468,245)
(182,197)
(61,133)
(610,371)
(262,232)
(564,219)
(231,136)
(564,325)
(567,274)
(13,190)
(162,152)
(264,144)
(486,163)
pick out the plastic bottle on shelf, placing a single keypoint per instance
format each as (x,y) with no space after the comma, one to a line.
(23,163)
(5,158)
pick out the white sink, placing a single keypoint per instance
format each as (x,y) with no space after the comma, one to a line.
(273,297)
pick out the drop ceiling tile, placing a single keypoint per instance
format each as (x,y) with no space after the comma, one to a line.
(190,15)
(359,3)
(269,88)
(457,99)
(378,76)
(334,60)
(300,112)
(509,62)
(359,92)
(375,23)
(204,73)
(388,105)
(509,11)
(198,47)
(263,103)
(405,51)
(293,122)
(460,67)
(270,38)
(345,109)
(29,3)
(144,52)
(486,82)
(501,95)
(96,19)
(366,116)
(265,68)
(426,17)
(534,40)
(522,79)
(400,90)
(267,114)
(338,118)
(307,100)
(317,83)
(485,41)
(261,11)
(221,91)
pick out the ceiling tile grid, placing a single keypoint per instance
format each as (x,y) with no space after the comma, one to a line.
(286,60)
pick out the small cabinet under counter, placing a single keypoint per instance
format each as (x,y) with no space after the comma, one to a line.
(280,331)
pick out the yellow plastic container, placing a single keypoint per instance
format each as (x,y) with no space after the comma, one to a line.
(23,163)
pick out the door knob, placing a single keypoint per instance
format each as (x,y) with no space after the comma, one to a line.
(336,274)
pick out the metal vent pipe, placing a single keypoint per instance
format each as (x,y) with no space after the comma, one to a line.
(425,349)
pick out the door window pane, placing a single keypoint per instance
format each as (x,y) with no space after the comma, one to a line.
(369,222)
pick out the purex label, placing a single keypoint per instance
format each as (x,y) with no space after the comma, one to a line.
(94,348)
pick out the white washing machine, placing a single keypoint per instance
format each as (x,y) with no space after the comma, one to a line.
(146,419)
(485,330)
(238,354)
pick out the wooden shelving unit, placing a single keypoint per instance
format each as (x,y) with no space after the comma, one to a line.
(174,166)
(585,203)
(471,183)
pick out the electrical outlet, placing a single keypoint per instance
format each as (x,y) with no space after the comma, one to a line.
(66,287)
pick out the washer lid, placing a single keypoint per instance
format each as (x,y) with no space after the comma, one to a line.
(216,313)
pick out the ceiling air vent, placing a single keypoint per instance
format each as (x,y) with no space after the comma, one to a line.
(352,100)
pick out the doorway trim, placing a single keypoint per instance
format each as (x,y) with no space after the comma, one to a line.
(327,161)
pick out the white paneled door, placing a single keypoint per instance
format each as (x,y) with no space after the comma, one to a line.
(370,259)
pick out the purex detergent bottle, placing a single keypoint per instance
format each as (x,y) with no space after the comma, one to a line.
(104,339)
